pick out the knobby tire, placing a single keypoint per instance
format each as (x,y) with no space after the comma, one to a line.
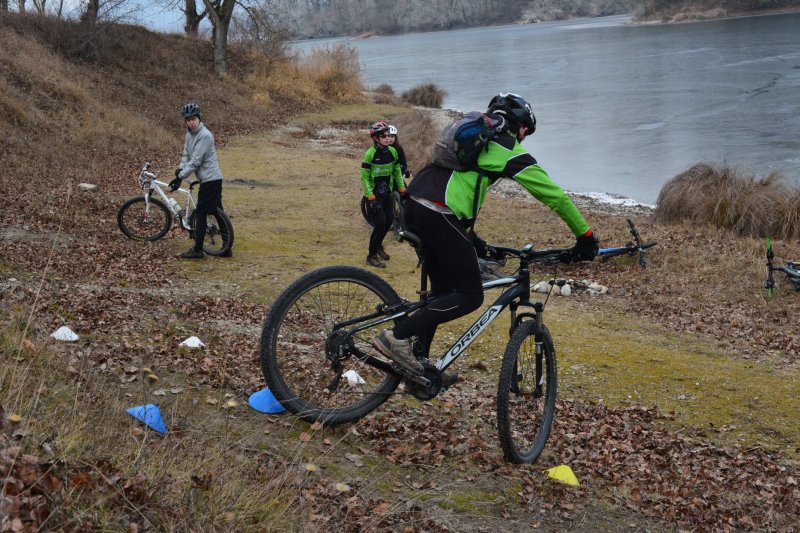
(299,327)
(135,225)
(219,233)
(525,412)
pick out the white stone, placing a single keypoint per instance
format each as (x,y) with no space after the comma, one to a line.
(566,290)
(192,342)
(64,334)
(543,287)
(354,378)
(556,290)
(87,186)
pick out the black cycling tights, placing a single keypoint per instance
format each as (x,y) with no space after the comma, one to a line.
(381,222)
(209,198)
(452,267)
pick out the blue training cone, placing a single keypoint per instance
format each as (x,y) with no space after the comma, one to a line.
(150,415)
(264,401)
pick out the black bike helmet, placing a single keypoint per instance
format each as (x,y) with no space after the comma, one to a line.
(190,110)
(515,109)
(378,128)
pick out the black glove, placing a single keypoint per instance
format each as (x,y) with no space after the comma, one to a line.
(481,248)
(485,251)
(175,184)
(586,247)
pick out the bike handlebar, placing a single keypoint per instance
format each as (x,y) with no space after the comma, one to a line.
(564,255)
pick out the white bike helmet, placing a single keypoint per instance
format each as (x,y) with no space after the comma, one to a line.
(392,130)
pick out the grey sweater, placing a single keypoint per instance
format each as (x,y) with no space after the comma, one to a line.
(199,156)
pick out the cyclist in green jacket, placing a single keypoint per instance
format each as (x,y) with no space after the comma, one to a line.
(441,208)
(380,175)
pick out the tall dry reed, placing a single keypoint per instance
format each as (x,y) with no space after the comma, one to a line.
(727,197)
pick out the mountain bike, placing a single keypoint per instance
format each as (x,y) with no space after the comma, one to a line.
(790,268)
(630,248)
(149,218)
(318,361)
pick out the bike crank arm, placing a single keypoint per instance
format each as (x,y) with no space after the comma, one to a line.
(410,375)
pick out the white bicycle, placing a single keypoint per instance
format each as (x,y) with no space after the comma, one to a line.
(149,217)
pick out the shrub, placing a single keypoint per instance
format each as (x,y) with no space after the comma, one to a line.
(384,88)
(425,95)
(336,72)
(726,197)
(416,133)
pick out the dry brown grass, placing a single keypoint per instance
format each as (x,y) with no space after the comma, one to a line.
(417,134)
(324,74)
(726,197)
(425,95)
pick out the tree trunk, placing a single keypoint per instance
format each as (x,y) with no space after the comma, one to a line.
(90,15)
(21,5)
(3,5)
(220,13)
(193,18)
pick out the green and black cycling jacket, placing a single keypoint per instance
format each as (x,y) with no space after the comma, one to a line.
(503,157)
(380,162)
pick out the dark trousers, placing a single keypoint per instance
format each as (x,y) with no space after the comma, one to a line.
(381,222)
(452,268)
(209,199)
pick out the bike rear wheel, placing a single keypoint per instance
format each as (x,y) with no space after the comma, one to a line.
(307,360)
(143,221)
(219,233)
(526,395)
(365,210)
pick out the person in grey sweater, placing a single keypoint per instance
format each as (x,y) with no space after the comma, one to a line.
(200,157)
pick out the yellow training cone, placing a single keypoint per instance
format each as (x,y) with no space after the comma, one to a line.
(564,474)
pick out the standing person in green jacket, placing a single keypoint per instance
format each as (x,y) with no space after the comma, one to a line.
(380,175)
(441,208)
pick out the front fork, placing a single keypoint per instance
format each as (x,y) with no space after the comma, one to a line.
(516,320)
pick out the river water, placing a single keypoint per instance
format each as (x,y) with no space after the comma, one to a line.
(621,108)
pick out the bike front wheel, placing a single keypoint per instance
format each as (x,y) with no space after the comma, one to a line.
(144,221)
(219,233)
(526,395)
(312,365)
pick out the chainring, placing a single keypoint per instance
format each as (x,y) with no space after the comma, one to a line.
(432,374)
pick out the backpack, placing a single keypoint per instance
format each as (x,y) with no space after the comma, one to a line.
(461,141)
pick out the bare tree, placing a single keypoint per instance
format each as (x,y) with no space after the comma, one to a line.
(220,12)
(21,6)
(193,18)
(259,30)
(3,5)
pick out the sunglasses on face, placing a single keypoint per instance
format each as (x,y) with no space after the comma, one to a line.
(385,135)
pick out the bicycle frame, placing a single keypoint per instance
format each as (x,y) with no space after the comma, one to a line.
(149,183)
(517,295)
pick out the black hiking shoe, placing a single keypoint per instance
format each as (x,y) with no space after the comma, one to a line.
(398,350)
(375,261)
(382,254)
(191,254)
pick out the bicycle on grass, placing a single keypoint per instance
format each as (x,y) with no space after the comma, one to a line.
(149,218)
(630,248)
(318,361)
(790,268)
